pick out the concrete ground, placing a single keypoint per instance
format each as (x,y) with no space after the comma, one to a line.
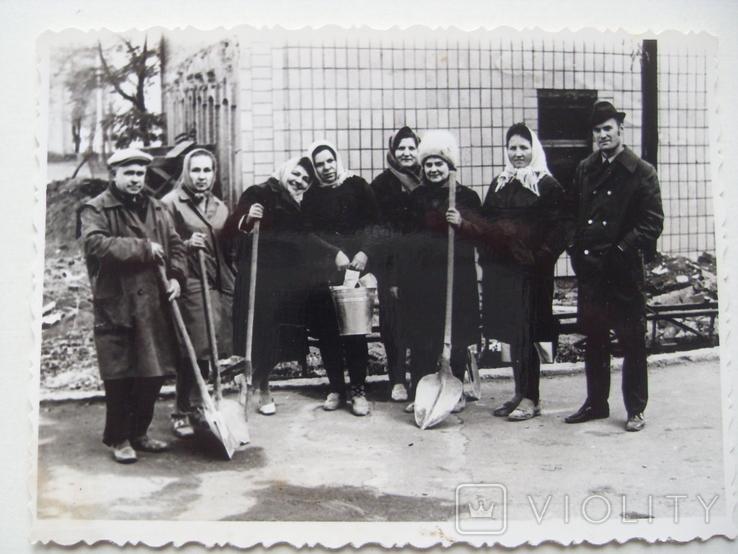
(305,464)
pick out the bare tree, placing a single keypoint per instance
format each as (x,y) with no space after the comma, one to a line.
(125,71)
(75,69)
(130,81)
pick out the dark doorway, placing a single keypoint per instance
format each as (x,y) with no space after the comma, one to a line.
(563,127)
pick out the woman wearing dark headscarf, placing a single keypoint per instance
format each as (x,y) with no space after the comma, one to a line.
(341,210)
(424,261)
(199,217)
(392,188)
(525,232)
(281,285)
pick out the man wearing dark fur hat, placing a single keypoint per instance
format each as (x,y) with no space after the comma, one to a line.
(618,217)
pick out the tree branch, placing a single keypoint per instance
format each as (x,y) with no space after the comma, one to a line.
(112,80)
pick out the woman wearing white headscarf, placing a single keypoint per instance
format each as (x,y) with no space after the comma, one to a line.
(281,285)
(342,210)
(524,234)
(199,217)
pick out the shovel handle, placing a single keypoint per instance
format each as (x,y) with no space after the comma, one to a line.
(450,267)
(210,324)
(182,329)
(252,293)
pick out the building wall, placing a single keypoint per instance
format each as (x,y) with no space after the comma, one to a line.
(202,100)
(356,88)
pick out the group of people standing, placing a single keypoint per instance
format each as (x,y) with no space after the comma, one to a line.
(317,219)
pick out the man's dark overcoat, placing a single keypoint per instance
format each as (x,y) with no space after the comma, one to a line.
(134,333)
(618,216)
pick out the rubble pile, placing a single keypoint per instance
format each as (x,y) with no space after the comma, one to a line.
(63,199)
(679,280)
(68,357)
(682,284)
(671,281)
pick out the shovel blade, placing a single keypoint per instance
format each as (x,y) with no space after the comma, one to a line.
(224,423)
(219,430)
(435,397)
(235,418)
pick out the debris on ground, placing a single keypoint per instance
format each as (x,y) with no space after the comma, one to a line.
(666,274)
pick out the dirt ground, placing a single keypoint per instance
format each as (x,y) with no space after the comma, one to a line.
(305,464)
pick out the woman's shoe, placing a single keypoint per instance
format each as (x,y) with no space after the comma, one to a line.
(270,408)
(332,402)
(508,407)
(266,403)
(525,410)
(359,405)
(399,393)
(410,408)
(181,427)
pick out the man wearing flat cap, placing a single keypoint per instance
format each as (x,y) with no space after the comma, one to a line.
(618,217)
(125,234)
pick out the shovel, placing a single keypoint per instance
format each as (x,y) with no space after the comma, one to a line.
(232,410)
(438,393)
(248,369)
(216,421)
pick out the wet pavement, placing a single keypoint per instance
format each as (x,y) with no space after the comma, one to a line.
(305,464)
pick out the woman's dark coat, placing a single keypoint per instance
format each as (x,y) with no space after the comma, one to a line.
(345,217)
(394,204)
(522,237)
(282,278)
(423,263)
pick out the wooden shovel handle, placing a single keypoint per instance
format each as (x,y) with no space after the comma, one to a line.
(182,329)
(210,324)
(252,296)
(450,266)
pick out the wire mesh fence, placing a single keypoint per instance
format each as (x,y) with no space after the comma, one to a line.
(264,100)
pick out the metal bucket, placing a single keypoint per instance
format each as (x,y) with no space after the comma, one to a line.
(354,308)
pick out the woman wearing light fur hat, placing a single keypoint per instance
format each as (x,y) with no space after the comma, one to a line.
(424,261)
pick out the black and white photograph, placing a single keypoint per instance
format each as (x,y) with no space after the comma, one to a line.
(369,276)
(454,280)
